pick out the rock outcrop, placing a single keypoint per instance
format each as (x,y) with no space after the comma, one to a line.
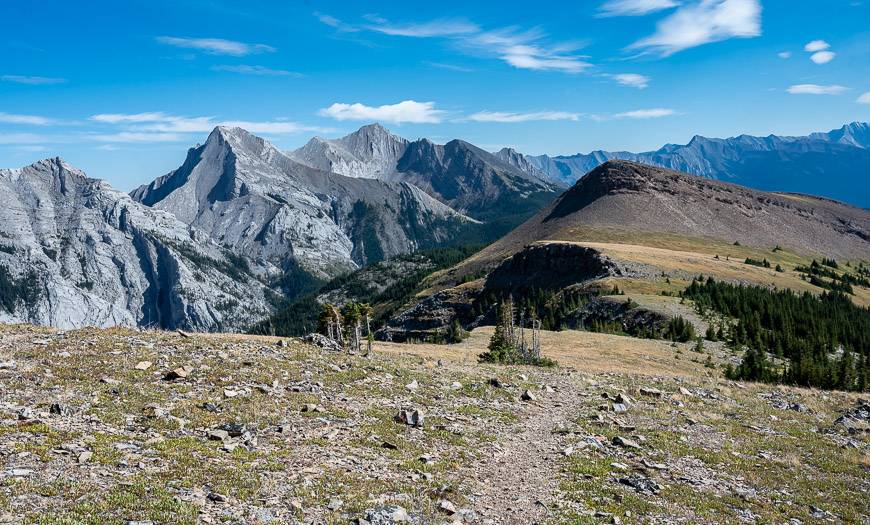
(75,252)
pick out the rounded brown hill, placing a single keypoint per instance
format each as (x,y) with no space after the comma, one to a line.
(622,201)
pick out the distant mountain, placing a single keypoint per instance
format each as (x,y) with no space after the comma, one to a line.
(835,164)
(484,186)
(257,200)
(75,252)
(369,153)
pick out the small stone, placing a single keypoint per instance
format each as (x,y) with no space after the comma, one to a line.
(619,466)
(311,407)
(389,446)
(447,506)
(685,391)
(619,408)
(218,435)
(495,382)
(209,407)
(296,506)
(334,504)
(143,365)
(413,418)
(85,456)
(230,393)
(625,442)
(568,451)
(7,365)
(523,377)
(57,409)
(282,343)
(413,385)
(178,373)
(528,396)
(25,414)
(138,522)
(652,392)
(214,497)
(109,381)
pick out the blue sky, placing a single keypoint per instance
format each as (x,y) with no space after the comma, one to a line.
(122,89)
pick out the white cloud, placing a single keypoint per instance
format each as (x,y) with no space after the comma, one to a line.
(634,7)
(526,50)
(332,21)
(450,67)
(520,49)
(632,80)
(31,80)
(822,57)
(815,89)
(784,54)
(703,22)
(499,116)
(33,120)
(409,111)
(22,138)
(216,46)
(162,127)
(434,28)
(257,70)
(816,45)
(118,118)
(864,99)
(131,136)
(646,113)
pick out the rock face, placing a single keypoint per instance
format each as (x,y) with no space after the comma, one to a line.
(369,153)
(74,252)
(494,189)
(254,199)
(819,164)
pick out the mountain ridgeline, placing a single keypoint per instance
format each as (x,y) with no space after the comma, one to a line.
(834,164)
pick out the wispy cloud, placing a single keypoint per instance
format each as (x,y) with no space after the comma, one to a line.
(527,50)
(334,22)
(815,89)
(508,117)
(407,111)
(634,7)
(864,98)
(646,113)
(33,120)
(257,70)
(816,45)
(216,46)
(433,28)
(784,54)
(450,67)
(32,80)
(632,80)
(28,138)
(521,49)
(162,127)
(138,137)
(702,22)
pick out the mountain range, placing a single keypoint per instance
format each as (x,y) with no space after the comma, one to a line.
(241,226)
(834,164)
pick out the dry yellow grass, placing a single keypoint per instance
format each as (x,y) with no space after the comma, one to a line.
(700,263)
(585,351)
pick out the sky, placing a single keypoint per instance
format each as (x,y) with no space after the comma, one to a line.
(123,89)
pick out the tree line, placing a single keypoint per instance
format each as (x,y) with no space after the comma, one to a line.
(824,340)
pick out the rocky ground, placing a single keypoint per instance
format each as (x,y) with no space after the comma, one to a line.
(118,426)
